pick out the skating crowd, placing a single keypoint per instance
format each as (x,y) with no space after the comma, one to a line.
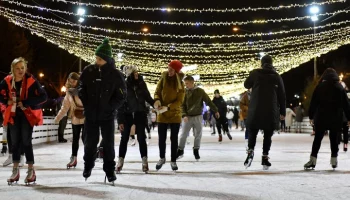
(102,92)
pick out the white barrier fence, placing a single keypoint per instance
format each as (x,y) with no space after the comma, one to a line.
(48,132)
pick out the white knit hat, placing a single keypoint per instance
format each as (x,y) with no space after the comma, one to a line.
(128,70)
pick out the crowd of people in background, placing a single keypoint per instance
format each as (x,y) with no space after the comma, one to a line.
(102,93)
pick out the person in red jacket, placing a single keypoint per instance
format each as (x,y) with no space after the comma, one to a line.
(23,95)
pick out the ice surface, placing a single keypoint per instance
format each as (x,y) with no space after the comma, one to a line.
(220,173)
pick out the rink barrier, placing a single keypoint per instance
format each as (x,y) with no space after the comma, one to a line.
(305,126)
(48,132)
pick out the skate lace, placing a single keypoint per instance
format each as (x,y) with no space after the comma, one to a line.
(14,173)
(161,161)
(30,173)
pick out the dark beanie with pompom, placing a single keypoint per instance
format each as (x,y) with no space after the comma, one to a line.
(104,50)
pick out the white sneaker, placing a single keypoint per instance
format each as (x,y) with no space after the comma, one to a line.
(21,162)
(8,161)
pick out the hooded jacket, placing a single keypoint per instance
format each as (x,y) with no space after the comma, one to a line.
(268,99)
(193,103)
(170,92)
(328,103)
(102,91)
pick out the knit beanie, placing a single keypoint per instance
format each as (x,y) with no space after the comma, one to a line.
(74,76)
(104,50)
(176,65)
(128,70)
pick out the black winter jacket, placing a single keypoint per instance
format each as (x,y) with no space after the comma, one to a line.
(268,99)
(220,103)
(102,91)
(137,96)
(329,102)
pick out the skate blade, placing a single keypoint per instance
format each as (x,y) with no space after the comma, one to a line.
(265,167)
(12,183)
(248,164)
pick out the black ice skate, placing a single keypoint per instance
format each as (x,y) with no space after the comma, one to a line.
(196,154)
(265,162)
(248,161)
(87,173)
(160,164)
(174,166)
(229,135)
(4,149)
(111,177)
(311,163)
(180,154)
(334,162)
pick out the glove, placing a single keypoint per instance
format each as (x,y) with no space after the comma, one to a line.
(157,104)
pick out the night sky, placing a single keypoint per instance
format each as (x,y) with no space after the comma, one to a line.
(56,63)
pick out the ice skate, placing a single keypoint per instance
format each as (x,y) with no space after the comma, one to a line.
(111,177)
(229,136)
(265,162)
(120,165)
(248,161)
(220,139)
(4,149)
(145,165)
(99,154)
(174,166)
(21,162)
(14,177)
(345,147)
(149,135)
(73,162)
(311,163)
(160,163)
(196,154)
(87,173)
(132,142)
(31,177)
(8,161)
(334,162)
(180,154)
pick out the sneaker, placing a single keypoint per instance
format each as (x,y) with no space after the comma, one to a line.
(180,154)
(265,162)
(160,163)
(31,177)
(14,177)
(8,161)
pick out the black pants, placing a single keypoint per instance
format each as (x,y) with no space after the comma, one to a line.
(139,121)
(21,138)
(222,121)
(61,126)
(345,132)
(153,125)
(316,145)
(236,122)
(148,128)
(162,136)
(283,125)
(266,142)
(91,139)
(76,135)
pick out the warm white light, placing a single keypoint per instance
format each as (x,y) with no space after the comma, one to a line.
(81,11)
(63,89)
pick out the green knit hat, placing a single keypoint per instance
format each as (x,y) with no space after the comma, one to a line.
(104,50)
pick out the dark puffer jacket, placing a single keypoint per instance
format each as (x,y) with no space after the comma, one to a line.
(268,99)
(102,91)
(329,102)
(137,96)
(220,103)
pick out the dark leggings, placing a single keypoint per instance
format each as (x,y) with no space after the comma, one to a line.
(76,135)
(316,145)
(162,136)
(266,143)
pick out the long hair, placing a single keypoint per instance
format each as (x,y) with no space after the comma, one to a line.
(13,64)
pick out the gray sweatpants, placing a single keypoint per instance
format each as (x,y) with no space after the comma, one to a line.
(193,122)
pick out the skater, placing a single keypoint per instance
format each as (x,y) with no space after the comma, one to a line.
(289,119)
(222,120)
(102,91)
(329,102)
(212,122)
(169,96)
(24,96)
(299,116)
(244,105)
(229,117)
(72,104)
(235,116)
(192,116)
(63,122)
(134,113)
(267,106)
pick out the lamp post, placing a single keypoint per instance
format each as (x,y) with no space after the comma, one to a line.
(314,10)
(80,12)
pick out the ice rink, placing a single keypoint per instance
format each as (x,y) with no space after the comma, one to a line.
(220,173)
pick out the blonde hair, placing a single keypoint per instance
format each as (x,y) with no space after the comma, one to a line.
(13,64)
(68,85)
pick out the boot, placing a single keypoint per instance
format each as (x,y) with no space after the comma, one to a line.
(120,165)
(180,154)
(73,162)
(14,177)
(31,177)
(8,161)
(145,164)
(334,162)
(311,163)
(265,162)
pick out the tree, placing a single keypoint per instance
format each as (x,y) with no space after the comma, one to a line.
(308,92)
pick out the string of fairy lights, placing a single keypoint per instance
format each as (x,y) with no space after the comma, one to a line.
(223,65)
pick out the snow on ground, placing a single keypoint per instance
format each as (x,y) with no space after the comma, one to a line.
(220,173)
